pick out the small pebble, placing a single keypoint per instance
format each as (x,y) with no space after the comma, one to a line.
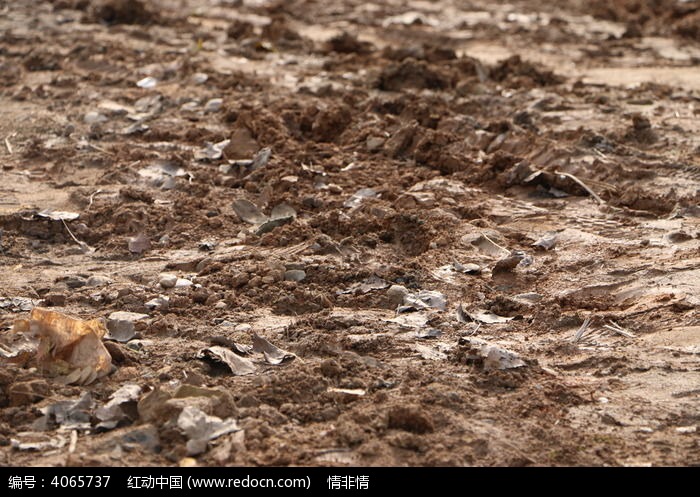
(98,281)
(182,283)
(396,294)
(199,78)
(295,275)
(213,105)
(75,282)
(94,118)
(148,82)
(168,280)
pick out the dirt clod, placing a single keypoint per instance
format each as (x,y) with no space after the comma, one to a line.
(123,12)
(409,418)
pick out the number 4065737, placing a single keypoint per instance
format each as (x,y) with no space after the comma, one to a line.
(80,481)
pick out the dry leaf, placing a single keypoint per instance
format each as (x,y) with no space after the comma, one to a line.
(139,243)
(249,212)
(69,345)
(237,364)
(273,354)
(201,428)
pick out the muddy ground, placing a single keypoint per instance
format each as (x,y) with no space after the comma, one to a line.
(538,166)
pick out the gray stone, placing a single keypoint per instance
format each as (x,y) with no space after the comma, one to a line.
(75,282)
(375,143)
(93,117)
(182,283)
(168,280)
(213,105)
(396,295)
(295,275)
(121,325)
(98,281)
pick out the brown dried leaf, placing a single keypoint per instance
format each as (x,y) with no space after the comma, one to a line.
(237,364)
(67,344)
(273,354)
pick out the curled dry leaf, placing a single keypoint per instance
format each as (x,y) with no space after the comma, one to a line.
(200,428)
(238,348)
(139,243)
(221,355)
(359,196)
(425,299)
(367,285)
(68,414)
(162,174)
(546,242)
(17,304)
(272,353)
(58,215)
(249,212)
(122,405)
(68,345)
(493,356)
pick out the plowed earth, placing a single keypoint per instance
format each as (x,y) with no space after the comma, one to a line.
(480,128)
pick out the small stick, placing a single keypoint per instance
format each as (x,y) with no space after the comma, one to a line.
(613,326)
(83,245)
(582,185)
(602,155)
(581,330)
(73,441)
(475,330)
(8,145)
(92,198)
(100,149)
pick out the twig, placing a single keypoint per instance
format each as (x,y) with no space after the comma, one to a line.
(614,327)
(92,198)
(602,155)
(475,330)
(100,149)
(497,245)
(582,185)
(83,245)
(8,145)
(581,330)
(73,441)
